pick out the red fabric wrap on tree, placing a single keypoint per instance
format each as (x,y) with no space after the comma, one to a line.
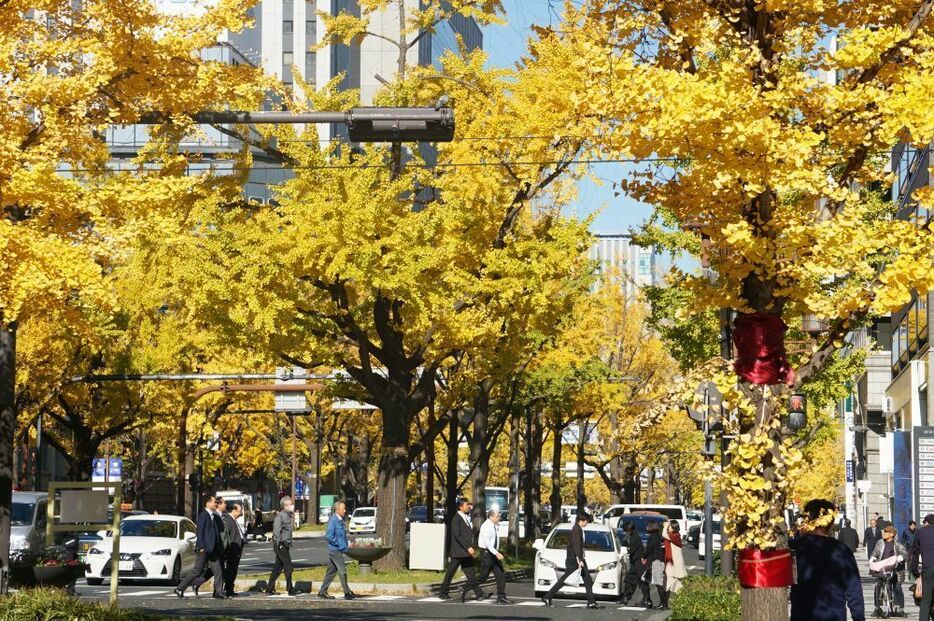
(760,349)
(760,569)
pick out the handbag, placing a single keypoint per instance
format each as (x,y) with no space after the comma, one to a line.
(574,579)
(916,591)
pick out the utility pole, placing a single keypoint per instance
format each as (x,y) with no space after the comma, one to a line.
(726,352)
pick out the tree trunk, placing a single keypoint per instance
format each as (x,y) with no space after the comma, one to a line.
(7,433)
(616,465)
(555,499)
(450,504)
(514,478)
(478,455)
(764,604)
(182,495)
(581,499)
(390,490)
(629,480)
(650,485)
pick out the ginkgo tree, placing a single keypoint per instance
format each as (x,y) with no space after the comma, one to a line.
(69,70)
(765,127)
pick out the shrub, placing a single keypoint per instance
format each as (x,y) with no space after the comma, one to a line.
(707,599)
(56,605)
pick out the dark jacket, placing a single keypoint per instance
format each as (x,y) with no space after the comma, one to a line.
(871,536)
(848,537)
(923,549)
(828,581)
(221,532)
(575,546)
(908,537)
(234,538)
(655,548)
(282,528)
(461,537)
(636,553)
(207,533)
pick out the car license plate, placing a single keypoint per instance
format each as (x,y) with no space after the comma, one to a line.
(126,566)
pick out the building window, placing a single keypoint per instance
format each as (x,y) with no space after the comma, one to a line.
(287,26)
(287,59)
(310,27)
(309,67)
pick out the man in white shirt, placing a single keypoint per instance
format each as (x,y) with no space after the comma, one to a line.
(490,557)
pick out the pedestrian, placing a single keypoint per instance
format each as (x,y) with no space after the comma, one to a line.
(848,536)
(871,536)
(491,559)
(575,562)
(655,563)
(258,530)
(922,549)
(235,542)
(828,578)
(908,535)
(281,542)
(208,553)
(337,545)
(675,569)
(636,569)
(886,548)
(220,506)
(461,552)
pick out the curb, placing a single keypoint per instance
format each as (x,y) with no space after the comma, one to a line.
(388,588)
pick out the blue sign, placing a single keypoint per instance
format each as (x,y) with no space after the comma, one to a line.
(299,488)
(849,471)
(114,472)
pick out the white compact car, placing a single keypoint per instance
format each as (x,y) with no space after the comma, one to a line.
(363,521)
(701,547)
(152,547)
(606,560)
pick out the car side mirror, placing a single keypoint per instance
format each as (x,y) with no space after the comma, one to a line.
(189,536)
(539,544)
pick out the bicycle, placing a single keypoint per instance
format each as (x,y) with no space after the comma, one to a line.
(888,602)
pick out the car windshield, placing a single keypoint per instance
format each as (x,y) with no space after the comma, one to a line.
(364,513)
(149,528)
(715,529)
(672,513)
(22,513)
(418,512)
(594,540)
(612,513)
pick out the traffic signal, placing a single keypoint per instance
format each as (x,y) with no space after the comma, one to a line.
(383,125)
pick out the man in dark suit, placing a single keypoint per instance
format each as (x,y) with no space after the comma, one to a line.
(848,536)
(636,569)
(208,548)
(235,543)
(461,551)
(871,536)
(575,562)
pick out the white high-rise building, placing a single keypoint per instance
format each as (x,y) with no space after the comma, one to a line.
(636,267)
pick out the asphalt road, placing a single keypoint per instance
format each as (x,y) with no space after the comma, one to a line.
(258,559)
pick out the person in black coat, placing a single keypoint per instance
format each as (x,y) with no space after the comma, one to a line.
(461,550)
(848,536)
(235,542)
(207,548)
(655,565)
(637,567)
(871,536)
(575,561)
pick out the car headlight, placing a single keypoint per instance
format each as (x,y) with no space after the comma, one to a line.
(544,562)
(607,566)
(163,552)
(95,551)
(18,544)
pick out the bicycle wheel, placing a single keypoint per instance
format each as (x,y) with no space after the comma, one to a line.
(888,599)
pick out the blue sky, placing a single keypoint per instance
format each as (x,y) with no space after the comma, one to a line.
(506,44)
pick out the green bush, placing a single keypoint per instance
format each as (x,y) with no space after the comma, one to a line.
(706,599)
(56,605)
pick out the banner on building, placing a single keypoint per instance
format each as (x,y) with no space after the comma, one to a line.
(902,473)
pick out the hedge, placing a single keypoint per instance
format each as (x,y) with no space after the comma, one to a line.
(707,599)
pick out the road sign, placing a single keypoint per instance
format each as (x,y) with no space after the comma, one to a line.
(923,465)
(99,469)
(850,471)
(290,401)
(714,400)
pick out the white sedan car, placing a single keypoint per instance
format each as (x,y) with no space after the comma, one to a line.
(701,546)
(363,521)
(152,547)
(606,560)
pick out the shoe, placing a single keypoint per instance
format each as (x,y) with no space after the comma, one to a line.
(547,601)
(484,595)
(594,606)
(662,607)
(271,592)
(179,593)
(350,596)
(293,592)
(463,597)
(325,596)
(219,596)
(444,596)
(503,600)
(647,605)
(195,589)
(878,613)
(232,594)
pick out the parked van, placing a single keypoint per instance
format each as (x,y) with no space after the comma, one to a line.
(614,515)
(28,520)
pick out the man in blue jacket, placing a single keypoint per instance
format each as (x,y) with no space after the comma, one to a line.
(828,577)
(207,552)
(337,545)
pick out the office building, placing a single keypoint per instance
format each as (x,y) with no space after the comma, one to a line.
(634,266)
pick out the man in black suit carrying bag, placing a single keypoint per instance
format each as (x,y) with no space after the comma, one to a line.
(208,548)
(235,543)
(461,551)
(576,562)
